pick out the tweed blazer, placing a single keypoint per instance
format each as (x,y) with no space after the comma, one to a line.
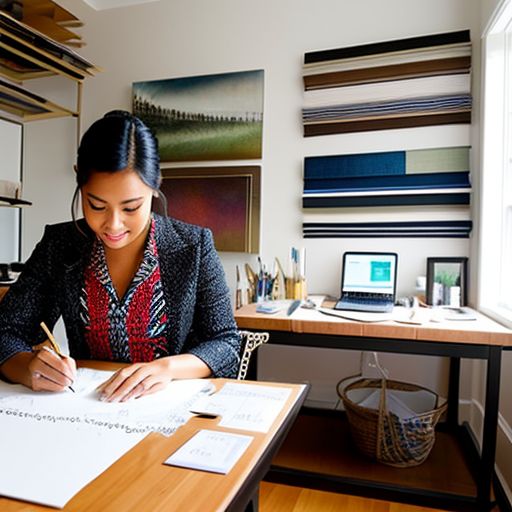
(200,314)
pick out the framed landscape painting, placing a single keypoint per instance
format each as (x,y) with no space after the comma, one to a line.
(200,118)
(224,199)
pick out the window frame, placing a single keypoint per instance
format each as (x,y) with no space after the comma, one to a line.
(495,241)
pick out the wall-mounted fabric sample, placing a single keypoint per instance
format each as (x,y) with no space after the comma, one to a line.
(433,176)
(418,229)
(395,199)
(388,47)
(416,193)
(418,81)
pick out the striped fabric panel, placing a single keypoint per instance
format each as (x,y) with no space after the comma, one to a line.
(425,213)
(388,235)
(405,83)
(386,123)
(414,106)
(432,40)
(400,71)
(416,161)
(426,229)
(386,200)
(394,90)
(394,191)
(385,183)
(454,51)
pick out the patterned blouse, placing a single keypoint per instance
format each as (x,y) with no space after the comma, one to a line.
(128,329)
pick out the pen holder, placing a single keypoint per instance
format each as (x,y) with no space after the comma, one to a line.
(296,288)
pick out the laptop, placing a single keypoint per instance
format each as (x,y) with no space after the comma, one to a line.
(368,282)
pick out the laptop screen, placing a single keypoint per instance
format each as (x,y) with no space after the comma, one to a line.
(369,273)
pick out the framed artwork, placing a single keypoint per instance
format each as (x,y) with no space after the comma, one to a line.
(447,281)
(200,118)
(224,199)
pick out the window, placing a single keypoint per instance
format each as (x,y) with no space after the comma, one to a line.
(495,268)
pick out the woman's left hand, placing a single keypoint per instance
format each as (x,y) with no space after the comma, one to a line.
(136,380)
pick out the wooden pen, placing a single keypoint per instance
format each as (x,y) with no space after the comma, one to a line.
(54,344)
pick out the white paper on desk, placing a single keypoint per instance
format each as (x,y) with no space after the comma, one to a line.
(49,463)
(53,444)
(245,406)
(211,450)
(160,412)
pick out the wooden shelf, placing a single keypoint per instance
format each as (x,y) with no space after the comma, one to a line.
(51,19)
(322,445)
(25,54)
(28,106)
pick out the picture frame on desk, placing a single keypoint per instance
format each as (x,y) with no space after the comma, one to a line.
(447,281)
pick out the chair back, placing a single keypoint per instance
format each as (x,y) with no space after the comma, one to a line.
(250,341)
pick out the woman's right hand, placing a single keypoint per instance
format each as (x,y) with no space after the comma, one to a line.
(51,372)
(42,370)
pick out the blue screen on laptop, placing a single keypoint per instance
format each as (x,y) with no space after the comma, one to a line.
(369,273)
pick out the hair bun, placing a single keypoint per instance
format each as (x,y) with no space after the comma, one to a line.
(119,113)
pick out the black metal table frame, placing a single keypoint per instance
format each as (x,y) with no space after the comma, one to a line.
(455,351)
(246,499)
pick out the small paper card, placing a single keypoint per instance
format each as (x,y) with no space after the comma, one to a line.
(210,450)
(244,406)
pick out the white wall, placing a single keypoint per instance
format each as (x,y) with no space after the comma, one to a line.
(191,37)
(11,137)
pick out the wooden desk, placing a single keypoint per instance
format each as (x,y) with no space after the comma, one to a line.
(139,481)
(316,452)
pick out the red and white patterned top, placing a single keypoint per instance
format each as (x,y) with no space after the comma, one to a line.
(131,328)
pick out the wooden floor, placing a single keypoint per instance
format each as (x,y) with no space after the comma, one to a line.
(283,498)
(333,453)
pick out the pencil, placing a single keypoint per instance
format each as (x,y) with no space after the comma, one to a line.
(54,344)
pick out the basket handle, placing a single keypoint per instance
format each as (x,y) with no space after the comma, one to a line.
(340,385)
(380,422)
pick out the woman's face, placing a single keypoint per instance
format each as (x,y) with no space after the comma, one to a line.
(117,207)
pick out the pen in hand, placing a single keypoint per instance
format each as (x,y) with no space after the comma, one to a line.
(54,345)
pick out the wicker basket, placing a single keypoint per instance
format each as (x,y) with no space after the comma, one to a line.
(382,435)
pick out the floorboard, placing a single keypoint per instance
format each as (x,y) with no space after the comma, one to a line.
(284,498)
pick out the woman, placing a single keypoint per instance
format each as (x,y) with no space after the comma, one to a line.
(131,286)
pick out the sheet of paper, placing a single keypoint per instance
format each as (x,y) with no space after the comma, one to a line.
(211,450)
(49,463)
(53,444)
(160,412)
(245,406)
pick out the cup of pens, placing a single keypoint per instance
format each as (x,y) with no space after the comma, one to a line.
(264,284)
(295,282)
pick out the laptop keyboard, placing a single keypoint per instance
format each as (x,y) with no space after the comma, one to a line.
(365,302)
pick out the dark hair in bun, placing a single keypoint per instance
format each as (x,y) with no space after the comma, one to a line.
(117,141)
